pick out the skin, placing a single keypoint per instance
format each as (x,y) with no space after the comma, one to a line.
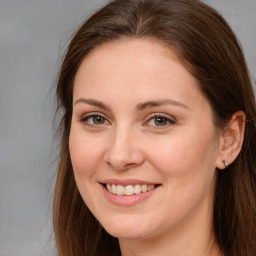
(127,143)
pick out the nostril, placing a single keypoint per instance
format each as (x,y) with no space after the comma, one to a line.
(130,165)
(121,165)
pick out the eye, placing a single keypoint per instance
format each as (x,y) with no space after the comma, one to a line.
(94,119)
(160,121)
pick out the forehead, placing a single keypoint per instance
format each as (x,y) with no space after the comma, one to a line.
(132,51)
(125,67)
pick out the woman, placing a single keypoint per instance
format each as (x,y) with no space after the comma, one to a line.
(158,135)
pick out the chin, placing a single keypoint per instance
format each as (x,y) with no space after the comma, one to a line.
(127,234)
(128,228)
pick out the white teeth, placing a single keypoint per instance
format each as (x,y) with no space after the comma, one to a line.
(137,189)
(150,187)
(128,190)
(113,189)
(144,188)
(109,187)
(120,190)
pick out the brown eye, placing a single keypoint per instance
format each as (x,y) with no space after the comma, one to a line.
(98,120)
(160,121)
(94,120)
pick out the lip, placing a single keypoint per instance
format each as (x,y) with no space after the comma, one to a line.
(127,201)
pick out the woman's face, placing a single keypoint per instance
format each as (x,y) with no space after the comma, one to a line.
(143,144)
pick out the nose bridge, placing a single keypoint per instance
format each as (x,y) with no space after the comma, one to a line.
(123,152)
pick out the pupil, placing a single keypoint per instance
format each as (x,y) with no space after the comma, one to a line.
(160,121)
(98,120)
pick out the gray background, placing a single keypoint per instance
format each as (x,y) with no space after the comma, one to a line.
(33,36)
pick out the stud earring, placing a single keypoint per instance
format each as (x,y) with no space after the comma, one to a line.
(225,163)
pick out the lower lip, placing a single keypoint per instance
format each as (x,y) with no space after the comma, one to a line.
(128,200)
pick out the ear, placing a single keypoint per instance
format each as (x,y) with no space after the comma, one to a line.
(231,140)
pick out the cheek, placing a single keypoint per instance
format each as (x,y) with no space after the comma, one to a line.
(85,152)
(192,152)
(187,164)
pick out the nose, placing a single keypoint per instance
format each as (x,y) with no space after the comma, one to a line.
(123,151)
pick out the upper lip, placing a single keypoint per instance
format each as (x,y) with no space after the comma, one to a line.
(127,182)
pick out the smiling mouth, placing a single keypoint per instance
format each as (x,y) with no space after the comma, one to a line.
(129,190)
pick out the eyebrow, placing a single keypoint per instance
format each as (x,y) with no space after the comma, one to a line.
(157,103)
(92,102)
(139,107)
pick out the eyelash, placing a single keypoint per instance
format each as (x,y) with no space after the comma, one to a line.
(169,121)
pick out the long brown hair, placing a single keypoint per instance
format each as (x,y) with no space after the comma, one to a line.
(209,49)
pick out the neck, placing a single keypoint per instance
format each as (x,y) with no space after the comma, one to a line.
(175,248)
